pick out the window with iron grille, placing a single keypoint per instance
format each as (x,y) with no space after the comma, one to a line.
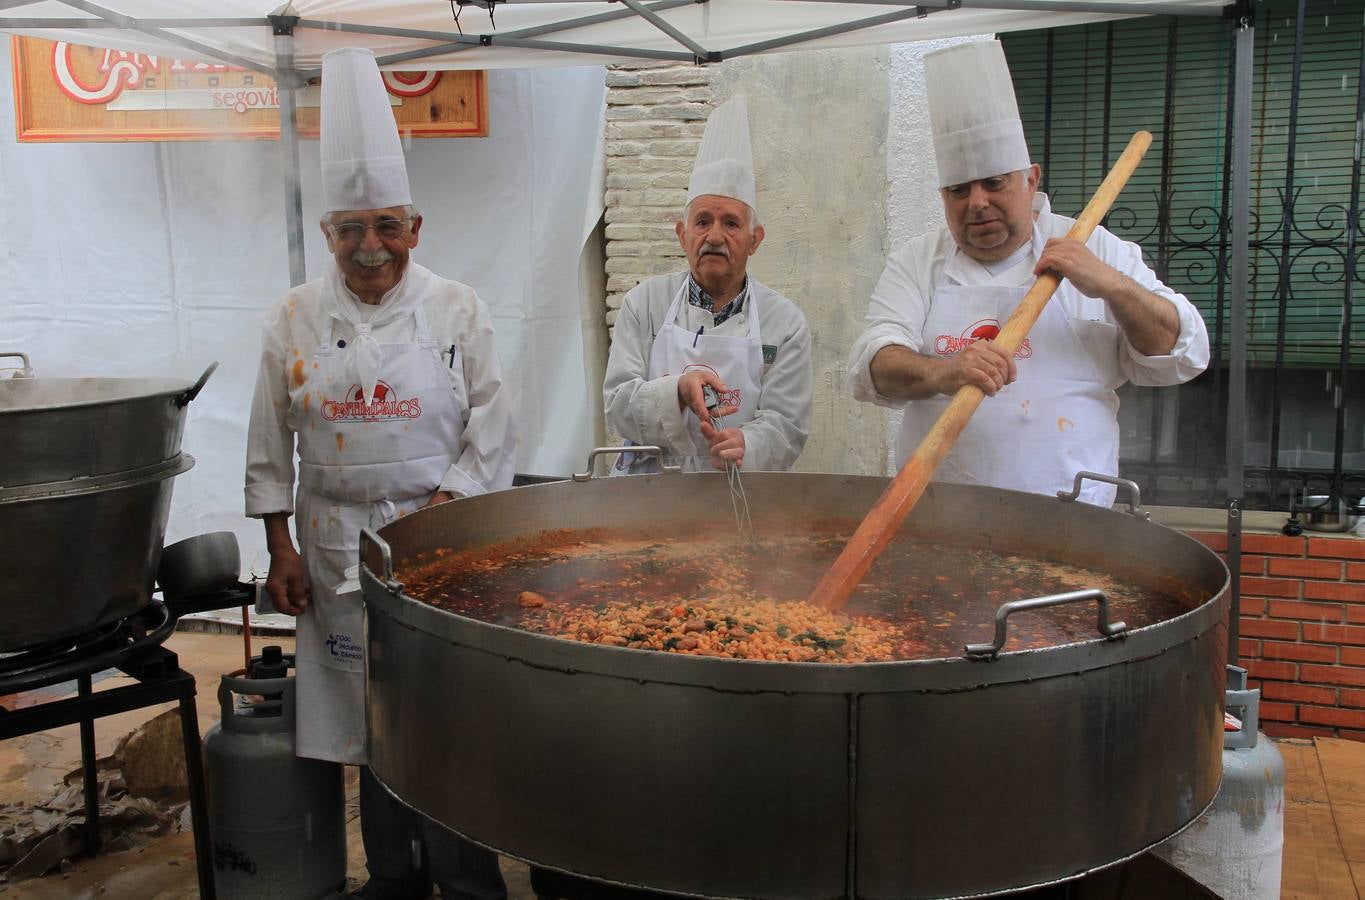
(1082,93)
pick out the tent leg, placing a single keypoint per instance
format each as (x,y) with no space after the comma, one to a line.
(1237,380)
(289,154)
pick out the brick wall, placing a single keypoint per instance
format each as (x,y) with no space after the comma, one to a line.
(656,113)
(1303,631)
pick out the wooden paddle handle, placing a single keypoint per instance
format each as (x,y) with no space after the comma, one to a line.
(904,491)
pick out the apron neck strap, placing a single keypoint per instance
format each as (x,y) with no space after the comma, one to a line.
(751,313)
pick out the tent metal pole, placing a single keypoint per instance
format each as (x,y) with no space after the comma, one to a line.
(451,43)
(494,41)
(533,31)
(207,23)
(75,24)
(1062,6)
(599,49)
(653,18)
(1237,275)
(10,24)
(914,12)
(420,34)
(121,21)
(1104,8)
(289,151)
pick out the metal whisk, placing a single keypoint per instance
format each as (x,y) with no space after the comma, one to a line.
(739,502)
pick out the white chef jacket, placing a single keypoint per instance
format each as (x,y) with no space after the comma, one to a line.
(455,315)
(901,301)
(645,411)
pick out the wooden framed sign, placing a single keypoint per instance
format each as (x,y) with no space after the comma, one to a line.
(68,92)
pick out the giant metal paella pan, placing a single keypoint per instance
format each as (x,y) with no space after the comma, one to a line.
(960,774)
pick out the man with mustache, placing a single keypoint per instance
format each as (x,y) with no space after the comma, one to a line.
(714,326)
(386,377)
(944,296)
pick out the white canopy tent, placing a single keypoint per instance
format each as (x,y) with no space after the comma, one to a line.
(287,42)
(524,33)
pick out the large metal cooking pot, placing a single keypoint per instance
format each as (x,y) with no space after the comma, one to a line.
(85,492)
(54,429)
(735,778)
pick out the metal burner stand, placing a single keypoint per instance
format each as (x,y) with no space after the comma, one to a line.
(133,647)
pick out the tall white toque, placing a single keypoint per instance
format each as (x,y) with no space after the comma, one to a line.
(725,162)
(362,158)
(973,114)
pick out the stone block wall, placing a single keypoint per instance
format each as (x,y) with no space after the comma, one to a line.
(1302,637)
(656,113)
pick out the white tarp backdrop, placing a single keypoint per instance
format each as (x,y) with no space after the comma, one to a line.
(154,259)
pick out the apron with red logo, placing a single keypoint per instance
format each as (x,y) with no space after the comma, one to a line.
(360,465)
(1058,418)
(738,360)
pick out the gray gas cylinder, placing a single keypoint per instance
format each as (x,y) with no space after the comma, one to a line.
(278,821)
(1236,847)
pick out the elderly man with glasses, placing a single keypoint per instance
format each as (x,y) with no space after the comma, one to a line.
(385,377)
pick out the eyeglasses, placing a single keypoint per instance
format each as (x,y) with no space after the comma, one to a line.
(354,232)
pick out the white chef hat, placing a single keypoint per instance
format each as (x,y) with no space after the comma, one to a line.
(725,162)
(972,113)
(362,158)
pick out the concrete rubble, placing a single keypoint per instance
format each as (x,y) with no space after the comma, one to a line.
(143,795)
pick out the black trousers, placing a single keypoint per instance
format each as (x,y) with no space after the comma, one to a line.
(405,852)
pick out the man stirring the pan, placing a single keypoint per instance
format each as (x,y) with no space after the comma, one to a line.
(713,325)
(386,377)
(944,296)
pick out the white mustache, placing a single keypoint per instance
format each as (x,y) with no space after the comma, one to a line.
(371,258)
(718,249)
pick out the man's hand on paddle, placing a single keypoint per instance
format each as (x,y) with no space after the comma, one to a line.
(983,363)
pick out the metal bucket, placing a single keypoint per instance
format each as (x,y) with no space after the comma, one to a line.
(733,778)
(85,492)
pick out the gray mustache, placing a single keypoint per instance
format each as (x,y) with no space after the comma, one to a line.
(371,257)
(717,249)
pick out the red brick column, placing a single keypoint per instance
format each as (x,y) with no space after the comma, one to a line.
(1303,631)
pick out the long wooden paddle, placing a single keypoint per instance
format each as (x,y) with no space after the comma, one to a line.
(905,489)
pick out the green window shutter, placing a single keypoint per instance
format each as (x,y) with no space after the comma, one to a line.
(1129,60)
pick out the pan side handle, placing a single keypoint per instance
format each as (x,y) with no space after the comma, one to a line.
(185,398)
(644,449)
(991,649)
(24,371)
(372,545)
(1134,492)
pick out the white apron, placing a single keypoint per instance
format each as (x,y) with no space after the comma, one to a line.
(738,360)
(1058,417)
(360,466)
